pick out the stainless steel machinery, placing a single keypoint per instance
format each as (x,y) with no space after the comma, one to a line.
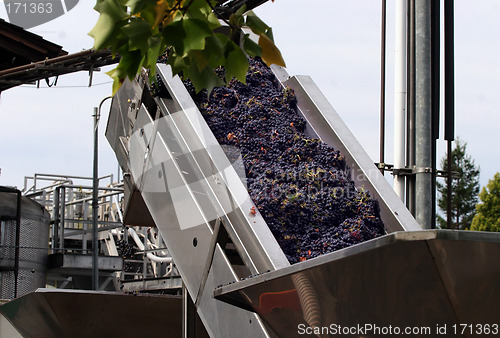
(24,234)
(180,179)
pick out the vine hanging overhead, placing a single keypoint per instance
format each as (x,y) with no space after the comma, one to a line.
(141,30)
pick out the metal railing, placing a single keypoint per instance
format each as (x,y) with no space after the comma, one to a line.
(68,199)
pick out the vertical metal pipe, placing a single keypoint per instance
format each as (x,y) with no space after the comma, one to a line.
(436,64)
(17,249)
(145,256)
(400,95)
(449,70)
(63,218)
(449,94)
(448,186)
(95,183)
(55,218)
(382,84)
(436,88)
(423,114)
(410,124)
(85,227)
(95,202)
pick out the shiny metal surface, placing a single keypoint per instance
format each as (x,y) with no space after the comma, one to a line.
(217,178)
(31,256)
(326,124)
(72,313)
(196,195)
(404,279)
(188,185)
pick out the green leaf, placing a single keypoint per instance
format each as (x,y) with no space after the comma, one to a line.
(131,62)
(236,20)
(138,32)
(196,32)
(241,10)
(255,23)
(213,20)
(214,46)
(187,34)
(156,48)
(269,34)
(205,79)
(174,36)
(137,6)
(113,8)
(178,64)
(214,50)
(118,76)
(199,58)
(236,63)
(149,15)
(102,31)
(111,12)
(200,9)
(251,47)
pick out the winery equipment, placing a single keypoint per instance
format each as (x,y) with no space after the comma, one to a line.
(236,274)
(24,234)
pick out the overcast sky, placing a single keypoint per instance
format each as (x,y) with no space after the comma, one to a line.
(337,43)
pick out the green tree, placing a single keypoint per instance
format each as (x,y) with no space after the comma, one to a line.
(464,189)
(487,217)
(140,31)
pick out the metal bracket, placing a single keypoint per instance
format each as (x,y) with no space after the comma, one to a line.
(402,171)
(421,170)
(444,173)
(384,166)
(415,170)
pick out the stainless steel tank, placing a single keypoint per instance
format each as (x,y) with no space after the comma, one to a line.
(24,238)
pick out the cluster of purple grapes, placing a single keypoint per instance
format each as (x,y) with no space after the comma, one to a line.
(127,252)
(299,184)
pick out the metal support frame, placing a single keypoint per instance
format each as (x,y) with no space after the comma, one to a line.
(95,203)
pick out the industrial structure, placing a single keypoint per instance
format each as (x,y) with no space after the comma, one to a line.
(171,249)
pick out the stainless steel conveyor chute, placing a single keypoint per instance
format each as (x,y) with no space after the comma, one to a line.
(240,281)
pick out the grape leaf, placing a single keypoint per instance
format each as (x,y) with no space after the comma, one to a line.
(205,79)
(137,6)
(236,62)
(196,32)
(255,23)
(250,46)
(138,32)
(270,53)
